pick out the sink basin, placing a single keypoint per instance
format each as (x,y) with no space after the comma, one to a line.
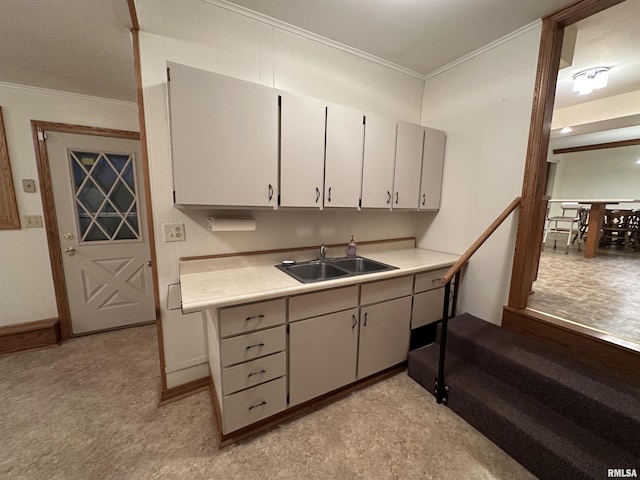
(317,271)
(360,265)
(313,272)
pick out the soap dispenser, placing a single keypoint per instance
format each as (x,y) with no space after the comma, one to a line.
(352,248)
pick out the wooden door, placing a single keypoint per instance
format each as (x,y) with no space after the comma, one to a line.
(101,216)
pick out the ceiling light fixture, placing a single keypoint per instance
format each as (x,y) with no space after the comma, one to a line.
(589,80)
(638,161)
(566,130)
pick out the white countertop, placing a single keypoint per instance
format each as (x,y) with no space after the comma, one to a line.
(219,288)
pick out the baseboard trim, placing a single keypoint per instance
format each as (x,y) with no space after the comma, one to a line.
(295,411)
(23,337)
(181,391)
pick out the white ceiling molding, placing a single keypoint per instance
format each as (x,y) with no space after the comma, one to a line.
(62,93)
(486,48)
(312,36)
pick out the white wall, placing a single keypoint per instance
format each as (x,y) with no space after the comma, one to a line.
(484,105)
(604,173)
(26,284)
(206,36)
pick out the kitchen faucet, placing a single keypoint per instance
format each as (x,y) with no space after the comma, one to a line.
(323,252)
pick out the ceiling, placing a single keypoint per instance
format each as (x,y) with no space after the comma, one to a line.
(84,46)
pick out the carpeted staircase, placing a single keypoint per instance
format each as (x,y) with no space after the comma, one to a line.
(557,417)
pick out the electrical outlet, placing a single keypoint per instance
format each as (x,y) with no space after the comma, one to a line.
(173,232)
(33,221)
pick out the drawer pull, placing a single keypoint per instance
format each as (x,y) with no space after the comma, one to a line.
(365,318)
(256,345)
(355,322)
(253,317)
(256,373)
(257,405)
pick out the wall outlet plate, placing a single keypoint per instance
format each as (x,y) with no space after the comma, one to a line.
(173,232)
(29,185)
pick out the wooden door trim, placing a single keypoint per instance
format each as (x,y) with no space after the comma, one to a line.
(39,129)
(532,210)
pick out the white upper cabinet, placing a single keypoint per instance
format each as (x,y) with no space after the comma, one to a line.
(301,151)
(343,163)
(432,164)
(377,165)
(224,135)
(406,184)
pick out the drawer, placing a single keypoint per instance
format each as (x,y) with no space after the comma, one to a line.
(246,318)
(321,303)
(429,280)
(427,307)
(385,290)
(249,406)
(252,373)
(252,345)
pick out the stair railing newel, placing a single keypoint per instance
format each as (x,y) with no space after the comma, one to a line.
(441,389)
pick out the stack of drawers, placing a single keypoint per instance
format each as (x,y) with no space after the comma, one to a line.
(253,361)
(428,298)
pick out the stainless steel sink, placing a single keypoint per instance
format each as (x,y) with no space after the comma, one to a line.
(318,271)
(360,265)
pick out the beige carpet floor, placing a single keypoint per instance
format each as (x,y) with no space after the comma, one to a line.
(88,410)
(600,292)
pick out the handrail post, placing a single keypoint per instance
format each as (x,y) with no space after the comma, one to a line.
(441,389)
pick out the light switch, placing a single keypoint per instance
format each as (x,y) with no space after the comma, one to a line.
(33,221)
(29,185)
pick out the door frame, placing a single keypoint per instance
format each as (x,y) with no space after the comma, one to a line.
(39,130)
(622,356)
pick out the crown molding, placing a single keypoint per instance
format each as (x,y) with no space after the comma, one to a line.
(60,93)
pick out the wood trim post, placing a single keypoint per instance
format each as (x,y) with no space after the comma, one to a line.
(532,209)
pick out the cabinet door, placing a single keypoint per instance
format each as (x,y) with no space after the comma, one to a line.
(379,157)
(343,163)
(432,165)
(406,184)
(322,355)
(384,335)
(224,139)
(301,151)
(427,307)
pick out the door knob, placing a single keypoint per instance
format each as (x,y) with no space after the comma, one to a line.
(70,251)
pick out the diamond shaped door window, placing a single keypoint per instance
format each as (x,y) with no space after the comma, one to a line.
(105,196)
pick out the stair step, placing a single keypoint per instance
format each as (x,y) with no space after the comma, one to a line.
(543,441)
(602,404)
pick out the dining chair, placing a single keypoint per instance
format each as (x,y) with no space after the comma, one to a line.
(570,215)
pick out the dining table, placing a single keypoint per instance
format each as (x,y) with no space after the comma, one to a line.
(597,207)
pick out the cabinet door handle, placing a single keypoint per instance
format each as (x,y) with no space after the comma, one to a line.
(317,194)
(354,321)
(255,346)
(329,195)
(388,197)
(256,373)
(253,317)
(257,405)
(396,198)
(424,198)
(365,318)
(270,192)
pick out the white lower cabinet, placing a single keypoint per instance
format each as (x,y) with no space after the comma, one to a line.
(267,356)
(322,355)
(384,335)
